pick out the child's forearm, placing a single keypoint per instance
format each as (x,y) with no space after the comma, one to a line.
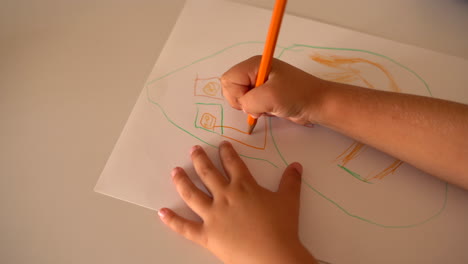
(428,133)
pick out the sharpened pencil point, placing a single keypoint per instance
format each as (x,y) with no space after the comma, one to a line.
(251,121)
(251,128)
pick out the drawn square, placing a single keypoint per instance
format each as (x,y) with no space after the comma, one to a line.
(207,121)
(209,117)
(208,87)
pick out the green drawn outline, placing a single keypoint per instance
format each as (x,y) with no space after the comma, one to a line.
(292,47)
(194,136)
(222,118)
(271,131)
(354,174)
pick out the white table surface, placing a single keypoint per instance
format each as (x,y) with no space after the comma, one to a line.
(60,61)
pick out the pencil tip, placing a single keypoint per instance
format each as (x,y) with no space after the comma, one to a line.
(250,130)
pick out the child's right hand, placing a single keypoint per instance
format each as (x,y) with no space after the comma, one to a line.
(289,92)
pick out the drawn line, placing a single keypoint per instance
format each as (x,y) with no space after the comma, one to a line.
(378,224)
(204,58)
(330,200)
(389,170)
(345,64)
(274,143)
(242,142)
(204,79)
(273,138)
(222,128)
(354,174)
(373,53)
(236,129)
(186,131)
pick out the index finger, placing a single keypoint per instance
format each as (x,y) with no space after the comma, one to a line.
(208,173)
(233,165)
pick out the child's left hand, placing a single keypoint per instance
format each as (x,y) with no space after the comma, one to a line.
(243,222)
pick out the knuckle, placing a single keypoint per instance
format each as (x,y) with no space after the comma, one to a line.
(256,57)
(186,193)
(238,92)
(248,186)
(180,227)
(231,98)
(273,95)
(232,101)
(233,159)
(223,201)
(229,157)
(225,81)
(237,107)
(206,171)
(242,188)
(187,231)
(228,154)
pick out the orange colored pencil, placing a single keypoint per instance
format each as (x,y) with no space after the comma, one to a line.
(268,51)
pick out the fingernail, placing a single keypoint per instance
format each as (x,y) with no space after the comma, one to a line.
(309,125)
(174,171)
(256,116)
(196,147)
(225,142)
(298,167)
(162,213)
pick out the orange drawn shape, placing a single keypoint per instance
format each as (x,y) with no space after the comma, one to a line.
(245,132)
(389,170)
(348,75)
(357,148)
(211,88)
(208,121)
(236,129)
(340,62)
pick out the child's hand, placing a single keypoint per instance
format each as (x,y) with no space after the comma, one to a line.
(288,93)
(243,222)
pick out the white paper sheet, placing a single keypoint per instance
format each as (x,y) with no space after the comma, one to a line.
(358,205)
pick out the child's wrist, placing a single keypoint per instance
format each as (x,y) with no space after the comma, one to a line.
(321,102)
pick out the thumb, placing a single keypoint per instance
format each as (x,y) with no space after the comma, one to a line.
(191,230)
(257,101)
(290,184)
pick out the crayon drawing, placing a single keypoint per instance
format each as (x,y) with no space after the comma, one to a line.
(349,71)
(271,144)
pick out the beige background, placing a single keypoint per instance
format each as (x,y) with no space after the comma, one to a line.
(59,61)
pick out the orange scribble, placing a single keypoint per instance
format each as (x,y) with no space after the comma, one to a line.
(210,89)
(245,132)
(357,147)
(238,130)
(348,74)
(208,121)
(345,64)
(389,170)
